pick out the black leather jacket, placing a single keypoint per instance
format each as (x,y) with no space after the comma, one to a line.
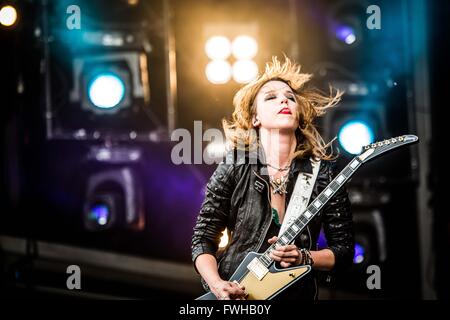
(235,200)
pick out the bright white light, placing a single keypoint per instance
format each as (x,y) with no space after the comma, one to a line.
(103,154)
(354,135)
(218,48)
(245,71)
(350,39)
(8,16)
(244,47)
(102,221)
(106,91)
(224,239)
(218,71)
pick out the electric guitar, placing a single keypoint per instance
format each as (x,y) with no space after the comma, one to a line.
(258,272)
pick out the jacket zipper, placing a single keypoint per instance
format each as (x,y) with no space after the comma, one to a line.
(270,203)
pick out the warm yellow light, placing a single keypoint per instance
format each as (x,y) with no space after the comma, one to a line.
(244,47)
(224,239)
(218,71)
(245,71)
(218,47)
(8,16)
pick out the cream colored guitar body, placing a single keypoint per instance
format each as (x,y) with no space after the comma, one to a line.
(270,285)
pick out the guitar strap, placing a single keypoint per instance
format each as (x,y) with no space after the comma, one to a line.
(300,196)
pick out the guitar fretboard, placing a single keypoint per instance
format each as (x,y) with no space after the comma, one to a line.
(295,229)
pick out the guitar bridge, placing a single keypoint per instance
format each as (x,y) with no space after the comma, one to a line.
(257,268)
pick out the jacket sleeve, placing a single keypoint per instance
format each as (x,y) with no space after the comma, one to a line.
(338,225)
(214,212)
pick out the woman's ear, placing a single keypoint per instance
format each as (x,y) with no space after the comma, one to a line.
(256,121)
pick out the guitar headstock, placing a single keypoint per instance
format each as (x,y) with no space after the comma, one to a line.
(377,148)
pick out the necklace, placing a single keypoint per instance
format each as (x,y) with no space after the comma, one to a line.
(279,184)
(280,169)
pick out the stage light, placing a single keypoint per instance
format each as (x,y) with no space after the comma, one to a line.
(218,71)
(106,91)
(345,34)
(101,210)
(113,199)
(244,47)
(224,239)
(110,84)
(8,15)
(359,254)
(100,214)
(354,135)
(244,71)
(218,47)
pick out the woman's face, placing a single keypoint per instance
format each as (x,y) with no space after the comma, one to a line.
(276,107)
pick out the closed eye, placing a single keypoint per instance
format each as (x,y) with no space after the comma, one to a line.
(291,98)
(269,97)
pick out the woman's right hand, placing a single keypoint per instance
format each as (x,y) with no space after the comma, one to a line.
(226,290)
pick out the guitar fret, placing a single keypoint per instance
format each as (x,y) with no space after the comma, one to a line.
(265,260)
(289,233)
(312,210)
(323,198)
(347,171)
(334,185)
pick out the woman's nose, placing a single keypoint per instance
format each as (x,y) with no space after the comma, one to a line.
(284,100)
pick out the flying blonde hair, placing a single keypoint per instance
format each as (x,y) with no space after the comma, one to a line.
(312,103)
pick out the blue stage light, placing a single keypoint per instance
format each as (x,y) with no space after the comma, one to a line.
(99,214)
(345,34)
(354,135)
(106,91)
(359,254)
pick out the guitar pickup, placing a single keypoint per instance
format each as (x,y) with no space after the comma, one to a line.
(257,268)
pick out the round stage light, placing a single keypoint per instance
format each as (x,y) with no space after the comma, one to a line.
(8,16)
(354,135)
(100,214)
(106,91)
(359,254)
(218,48)
(218,72)
(244,47)
(346,34)
(245,71)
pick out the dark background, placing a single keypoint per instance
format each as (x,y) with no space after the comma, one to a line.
(43,180)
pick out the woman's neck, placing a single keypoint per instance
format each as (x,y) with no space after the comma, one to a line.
(279,146)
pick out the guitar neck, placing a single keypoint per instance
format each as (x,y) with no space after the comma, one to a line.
(296,228)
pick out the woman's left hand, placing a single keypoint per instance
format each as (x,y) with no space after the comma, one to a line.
(288,255)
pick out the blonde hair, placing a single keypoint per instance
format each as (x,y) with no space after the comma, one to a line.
(311,104)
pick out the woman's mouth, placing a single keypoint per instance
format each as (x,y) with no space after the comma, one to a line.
(285,111)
